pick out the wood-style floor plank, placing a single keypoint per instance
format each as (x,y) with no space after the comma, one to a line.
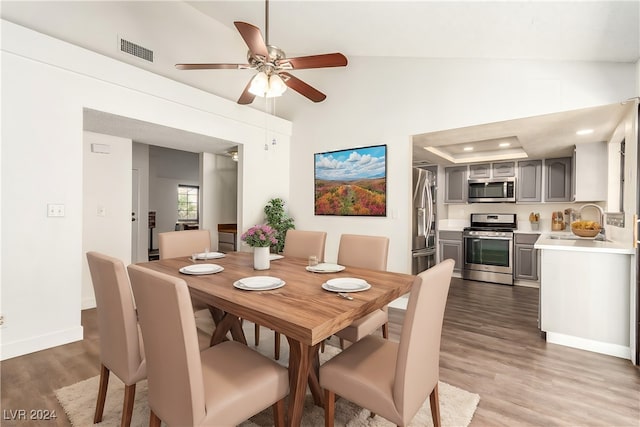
(490,346)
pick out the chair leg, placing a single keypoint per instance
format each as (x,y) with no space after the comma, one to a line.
(276,345)
(154,421)
(127,407)
(322,347)
(341,344)
(278,413)
(385,331)
(434,401)
(102,393)
(329,407)
(256,335)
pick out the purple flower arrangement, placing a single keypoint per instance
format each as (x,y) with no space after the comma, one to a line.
(260,236)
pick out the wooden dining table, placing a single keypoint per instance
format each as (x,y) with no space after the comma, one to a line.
(301,310)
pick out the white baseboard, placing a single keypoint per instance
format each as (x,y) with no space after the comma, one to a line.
(9,350)
(589,345)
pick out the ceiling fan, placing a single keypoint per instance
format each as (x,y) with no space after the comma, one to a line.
(273,66)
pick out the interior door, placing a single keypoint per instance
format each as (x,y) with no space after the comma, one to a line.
(135,207)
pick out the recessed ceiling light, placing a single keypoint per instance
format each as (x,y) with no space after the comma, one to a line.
(468,148)
(504,144)
(584,132)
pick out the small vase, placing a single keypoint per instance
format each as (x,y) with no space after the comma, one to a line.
(261,258)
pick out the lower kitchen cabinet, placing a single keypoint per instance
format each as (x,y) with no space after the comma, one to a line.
(525,257)
(450,246)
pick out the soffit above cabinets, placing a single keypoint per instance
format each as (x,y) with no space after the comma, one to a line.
(545,136)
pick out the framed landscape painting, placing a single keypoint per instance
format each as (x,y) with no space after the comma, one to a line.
(351,182)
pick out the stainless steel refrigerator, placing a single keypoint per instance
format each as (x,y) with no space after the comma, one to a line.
(423,250)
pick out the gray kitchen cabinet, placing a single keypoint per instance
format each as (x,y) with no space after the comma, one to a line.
(525,257)
(529,185)
(450,246)
(503,169)
(558,180)
(455,184)
(481,170)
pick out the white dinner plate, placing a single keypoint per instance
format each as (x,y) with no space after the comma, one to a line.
(346,284)
(273,257)
(201,269)
(325,267)
(259,283)
(210,255)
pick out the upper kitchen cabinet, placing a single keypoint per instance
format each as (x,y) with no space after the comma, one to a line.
(504,169)
(590,172)
(492,170)
(481,170)
(455,184)
(558,180)
(529,185)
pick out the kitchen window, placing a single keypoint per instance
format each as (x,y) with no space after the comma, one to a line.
(188,196)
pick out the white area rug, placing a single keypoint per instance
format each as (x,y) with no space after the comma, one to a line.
(457,406)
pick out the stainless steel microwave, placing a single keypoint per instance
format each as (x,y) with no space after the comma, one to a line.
(492,190)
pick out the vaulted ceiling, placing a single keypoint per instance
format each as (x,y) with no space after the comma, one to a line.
(203,31)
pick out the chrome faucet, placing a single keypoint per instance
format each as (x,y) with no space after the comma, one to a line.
(601,235)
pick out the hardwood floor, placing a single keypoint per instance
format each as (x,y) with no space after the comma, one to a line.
(490,346)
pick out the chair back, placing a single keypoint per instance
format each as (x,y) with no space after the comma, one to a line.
(363,251)
(120,346)
(418,359)
(172,244)
(174,370)
(303,244)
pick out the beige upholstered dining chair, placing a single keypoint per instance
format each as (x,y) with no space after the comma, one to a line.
(298,244)
(121,350)
(222,386)
(303,244)
(364,252)
(394,379)
(173,244)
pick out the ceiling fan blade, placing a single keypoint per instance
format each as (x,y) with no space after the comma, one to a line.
(212,66)
(316,61)
(303,88)
(246,97)
(253,38)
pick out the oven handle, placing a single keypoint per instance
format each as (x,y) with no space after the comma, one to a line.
(488,238)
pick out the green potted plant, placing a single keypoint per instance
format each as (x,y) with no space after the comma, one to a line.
(278,219)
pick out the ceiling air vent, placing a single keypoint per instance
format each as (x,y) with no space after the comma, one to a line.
(136,50)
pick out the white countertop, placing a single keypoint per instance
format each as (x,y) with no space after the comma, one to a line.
(581,245)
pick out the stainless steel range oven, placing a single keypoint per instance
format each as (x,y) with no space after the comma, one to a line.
(488,248)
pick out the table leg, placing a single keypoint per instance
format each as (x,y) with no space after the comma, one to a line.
(226,322)
(302,370)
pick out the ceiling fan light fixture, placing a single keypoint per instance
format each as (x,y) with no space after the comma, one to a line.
(276,86)
(267,86)
(259,84)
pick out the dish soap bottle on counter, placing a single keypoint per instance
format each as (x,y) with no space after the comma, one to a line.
(557,221)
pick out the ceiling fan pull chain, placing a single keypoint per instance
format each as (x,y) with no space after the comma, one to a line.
(266,20)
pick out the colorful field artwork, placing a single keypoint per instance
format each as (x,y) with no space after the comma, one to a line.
(351,182)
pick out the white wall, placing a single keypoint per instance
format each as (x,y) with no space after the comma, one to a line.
(374,101)
(46,84)
(106,203)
